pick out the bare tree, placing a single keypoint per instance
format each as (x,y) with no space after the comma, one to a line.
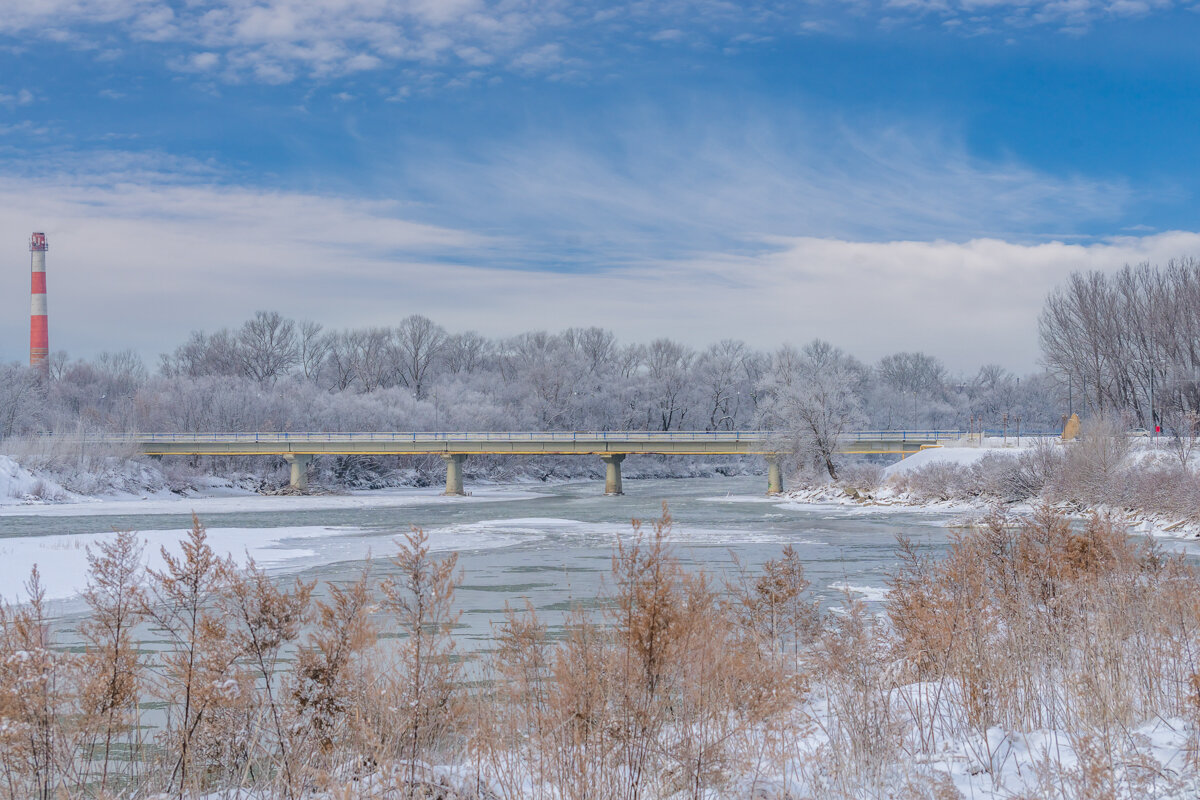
(21,399)
(369,357)
(1184,428)
(56,364)
(1128,342)
(720,373)
(314,348)
(465,352)
(268,347)
(669,364)
(202,355)
(339,361)
(419,341)
(598,346)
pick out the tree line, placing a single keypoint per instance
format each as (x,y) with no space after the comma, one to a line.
(1127,344)
(275,373)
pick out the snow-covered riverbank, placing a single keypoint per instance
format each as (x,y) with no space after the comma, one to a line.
(971,482)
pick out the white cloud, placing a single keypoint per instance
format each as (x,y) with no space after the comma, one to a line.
(654,183)
(764,229)
(205,61)
(1072,16)
(22,97)
(137,263)
(545,58)
(668,35)
(277,40)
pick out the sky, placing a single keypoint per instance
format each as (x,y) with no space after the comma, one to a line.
(885,174)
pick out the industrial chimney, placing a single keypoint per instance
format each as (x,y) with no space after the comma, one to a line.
(39,334)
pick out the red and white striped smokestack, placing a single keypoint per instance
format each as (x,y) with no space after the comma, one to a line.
(39,332)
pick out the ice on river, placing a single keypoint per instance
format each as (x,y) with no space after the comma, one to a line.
(379,498)
(63,563)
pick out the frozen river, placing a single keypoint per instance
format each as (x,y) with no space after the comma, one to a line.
(550,545)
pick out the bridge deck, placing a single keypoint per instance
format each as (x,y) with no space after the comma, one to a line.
(529,443)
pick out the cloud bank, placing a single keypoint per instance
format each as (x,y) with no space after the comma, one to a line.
(141,265)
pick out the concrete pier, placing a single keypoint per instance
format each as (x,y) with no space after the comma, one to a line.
(454,479)
(774,475)
(299,463)
(612,473)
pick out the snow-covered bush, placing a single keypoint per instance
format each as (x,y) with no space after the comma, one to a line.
(936,481)
(1093,467)
(1034,470)
(862,476)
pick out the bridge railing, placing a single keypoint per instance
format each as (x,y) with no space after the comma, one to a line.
(500,436)
(902,436)
(451,436)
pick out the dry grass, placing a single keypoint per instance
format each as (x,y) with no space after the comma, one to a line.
(676,688)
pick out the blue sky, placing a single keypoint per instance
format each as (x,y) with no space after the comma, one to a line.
(688,168)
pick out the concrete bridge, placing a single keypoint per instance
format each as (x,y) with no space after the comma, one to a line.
(611,446)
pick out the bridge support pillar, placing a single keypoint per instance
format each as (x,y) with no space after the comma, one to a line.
(299,463)
(774,475)
(612,473)
(454,479)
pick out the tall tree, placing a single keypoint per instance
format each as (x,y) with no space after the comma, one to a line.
(419,341)
(814,395)
(268,346)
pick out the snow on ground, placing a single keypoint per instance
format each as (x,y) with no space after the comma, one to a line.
(871,594)
(959,456)
(20,486)
(1000,764)
(837,502)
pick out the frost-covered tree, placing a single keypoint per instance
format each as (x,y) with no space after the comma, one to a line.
(419,341)
(21,399)
(272,374)
(813,396)
(314,345)
(268,347)
(721,379)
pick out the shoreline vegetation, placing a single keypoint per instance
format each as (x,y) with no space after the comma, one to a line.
(1037,658)
(1148,487)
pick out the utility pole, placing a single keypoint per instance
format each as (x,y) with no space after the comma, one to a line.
(1153,419)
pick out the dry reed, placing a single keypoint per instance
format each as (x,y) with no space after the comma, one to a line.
(675,687)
